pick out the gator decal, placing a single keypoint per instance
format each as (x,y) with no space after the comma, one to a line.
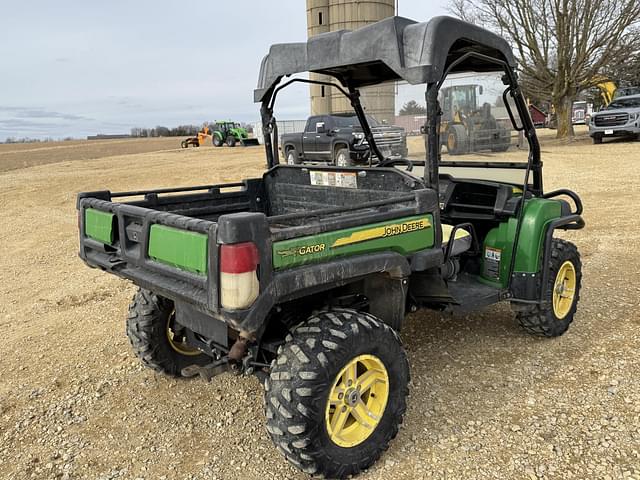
(405,236)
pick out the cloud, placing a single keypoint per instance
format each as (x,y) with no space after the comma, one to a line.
(17,121)
(21,112)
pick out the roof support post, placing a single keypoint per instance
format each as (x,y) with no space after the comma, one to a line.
(268,122)
(354,96)
(432,140)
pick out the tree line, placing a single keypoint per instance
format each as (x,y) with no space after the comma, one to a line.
(179,131)
(564,48)
(160,131)
(11,140)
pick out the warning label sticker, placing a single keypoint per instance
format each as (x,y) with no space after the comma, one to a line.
(492,257)
(334,179)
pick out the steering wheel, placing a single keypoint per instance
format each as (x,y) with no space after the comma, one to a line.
(390,162)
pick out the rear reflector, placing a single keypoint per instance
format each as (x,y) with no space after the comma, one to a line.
(239,285)
(239,258)
(99,225)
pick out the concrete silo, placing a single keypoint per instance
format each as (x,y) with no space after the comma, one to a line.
(317,23)
(330,16)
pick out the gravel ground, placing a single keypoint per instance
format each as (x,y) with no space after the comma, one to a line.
(487,401)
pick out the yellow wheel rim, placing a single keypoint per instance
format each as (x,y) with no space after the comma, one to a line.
(357,401)
(179,346)
(564,290)
(451,141)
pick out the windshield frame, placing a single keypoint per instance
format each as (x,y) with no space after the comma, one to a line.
(432,123)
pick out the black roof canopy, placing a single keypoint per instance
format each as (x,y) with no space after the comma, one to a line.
(395,48)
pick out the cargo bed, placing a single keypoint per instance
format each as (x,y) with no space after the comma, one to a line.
(167,240)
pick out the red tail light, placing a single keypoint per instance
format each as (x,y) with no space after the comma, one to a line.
(239,257)
(239,285)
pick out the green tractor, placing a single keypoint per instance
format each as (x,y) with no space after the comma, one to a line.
(231,133)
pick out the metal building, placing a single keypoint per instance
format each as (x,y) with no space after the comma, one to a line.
(332,15)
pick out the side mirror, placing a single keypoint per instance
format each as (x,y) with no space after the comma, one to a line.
(480,89)
(510,104)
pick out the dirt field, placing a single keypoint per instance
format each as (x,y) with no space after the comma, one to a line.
(487,401)
(21,155)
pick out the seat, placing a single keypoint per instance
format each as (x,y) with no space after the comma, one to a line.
(461,242)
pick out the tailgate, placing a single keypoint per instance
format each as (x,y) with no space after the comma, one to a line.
(173,255)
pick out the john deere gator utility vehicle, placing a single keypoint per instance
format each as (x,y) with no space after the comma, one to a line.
(230,133)
(304,275)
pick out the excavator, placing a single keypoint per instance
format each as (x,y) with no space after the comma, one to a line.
(608,90)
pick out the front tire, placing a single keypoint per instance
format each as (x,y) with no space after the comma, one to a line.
(597,139)
(343,158)
(155,336)
(292,157)
(231,141)
(337,393)
(457,140)
(562,293)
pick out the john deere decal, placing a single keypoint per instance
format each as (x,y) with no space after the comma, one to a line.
(383,231)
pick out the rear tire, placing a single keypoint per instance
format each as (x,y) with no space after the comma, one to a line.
(184,144)
(152,330)
(231,141)
(217,141)
(313,366)
(561,296)
(504,143)
(597,139)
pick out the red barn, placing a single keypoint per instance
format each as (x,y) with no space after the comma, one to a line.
(538,116)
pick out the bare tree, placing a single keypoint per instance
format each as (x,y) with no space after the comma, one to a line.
(563,47)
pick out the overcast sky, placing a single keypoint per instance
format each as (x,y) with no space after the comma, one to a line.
(76,68)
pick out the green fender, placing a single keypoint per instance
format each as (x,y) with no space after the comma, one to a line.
(498,244)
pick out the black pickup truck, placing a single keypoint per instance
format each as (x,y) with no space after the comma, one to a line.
(339,140)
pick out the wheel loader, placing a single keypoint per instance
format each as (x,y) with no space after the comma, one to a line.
(467,126)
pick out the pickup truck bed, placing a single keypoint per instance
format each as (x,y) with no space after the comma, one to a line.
(168,240)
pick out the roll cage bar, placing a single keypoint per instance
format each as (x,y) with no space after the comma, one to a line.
(432,124)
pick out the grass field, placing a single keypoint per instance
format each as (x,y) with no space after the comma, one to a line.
(487,401)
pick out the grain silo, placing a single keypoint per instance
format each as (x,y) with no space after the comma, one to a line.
(317,23)
(330,16)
